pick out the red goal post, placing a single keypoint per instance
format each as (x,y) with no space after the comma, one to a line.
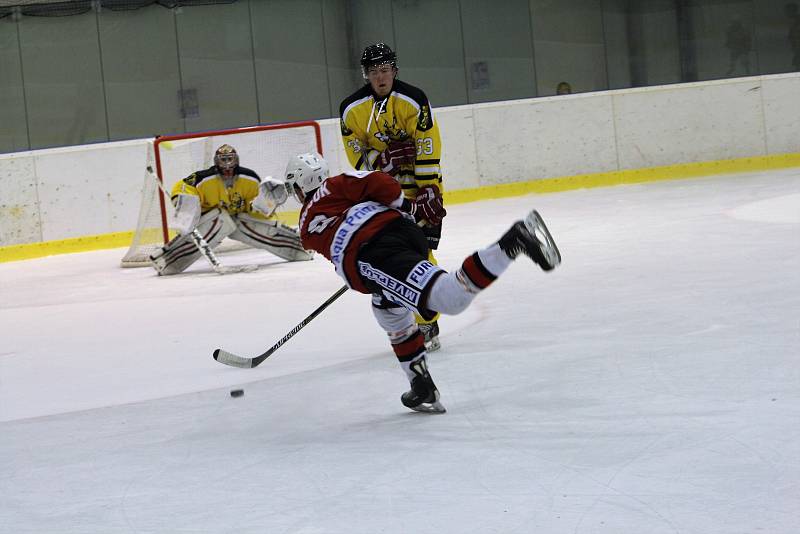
(264,149)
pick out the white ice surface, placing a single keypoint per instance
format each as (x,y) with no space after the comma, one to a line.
(649,385)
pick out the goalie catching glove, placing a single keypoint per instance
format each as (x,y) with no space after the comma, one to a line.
(397,153)
(428,205)
(271,194)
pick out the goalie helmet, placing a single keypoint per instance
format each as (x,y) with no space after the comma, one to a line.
(376,55)
(304,174)
(226,159)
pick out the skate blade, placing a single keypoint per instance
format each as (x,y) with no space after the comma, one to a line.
(430,407)
(433,345)
(536,226)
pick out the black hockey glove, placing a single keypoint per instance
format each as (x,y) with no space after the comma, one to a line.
(432,234)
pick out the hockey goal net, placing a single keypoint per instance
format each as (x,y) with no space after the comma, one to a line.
(265,149)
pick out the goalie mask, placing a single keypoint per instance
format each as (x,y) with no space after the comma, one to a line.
(226,160)
(304,174)
(376,55)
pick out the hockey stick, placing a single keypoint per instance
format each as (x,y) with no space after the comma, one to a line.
(204,248)
(228,358)
(201,243)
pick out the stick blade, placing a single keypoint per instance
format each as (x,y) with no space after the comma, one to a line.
(228,358)
(233,269)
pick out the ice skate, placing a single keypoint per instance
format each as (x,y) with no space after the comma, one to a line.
(423,395)
(431,333)
(532,238)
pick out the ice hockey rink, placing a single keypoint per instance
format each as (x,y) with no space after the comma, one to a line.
(649,385)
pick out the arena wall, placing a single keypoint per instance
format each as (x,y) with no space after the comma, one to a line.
(87,197)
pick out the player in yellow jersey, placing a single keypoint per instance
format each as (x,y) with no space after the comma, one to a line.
(227,200)
(388,125)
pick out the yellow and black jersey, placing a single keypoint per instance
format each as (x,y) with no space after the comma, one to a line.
(369,122)
(209,187)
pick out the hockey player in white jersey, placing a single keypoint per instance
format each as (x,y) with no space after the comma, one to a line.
(227,200)
(363,224)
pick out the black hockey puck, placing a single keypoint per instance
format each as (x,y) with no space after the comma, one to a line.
(237,392)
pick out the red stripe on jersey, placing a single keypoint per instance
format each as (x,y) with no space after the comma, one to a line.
(410,348)
(477,273)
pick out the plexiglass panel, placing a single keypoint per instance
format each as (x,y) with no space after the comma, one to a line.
(641,42)
(569,45)
(141,72)
(215,47)
(107,75)
(430,49)
(290,60)
(498,50)
(723,34)
(63,82)
(777,39)
(13,123)
(341,52)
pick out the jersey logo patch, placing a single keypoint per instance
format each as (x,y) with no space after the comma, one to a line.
(421,274)
(395,290)
(424,121)
(391,132)
(236,204)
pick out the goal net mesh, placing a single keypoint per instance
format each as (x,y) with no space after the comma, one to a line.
(264,149)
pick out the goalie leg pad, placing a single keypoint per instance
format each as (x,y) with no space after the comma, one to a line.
(270,235)
(177,255)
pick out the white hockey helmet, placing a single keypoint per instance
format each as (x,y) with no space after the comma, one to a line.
(304,174)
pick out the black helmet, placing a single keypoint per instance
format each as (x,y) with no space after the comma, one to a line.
(377,54)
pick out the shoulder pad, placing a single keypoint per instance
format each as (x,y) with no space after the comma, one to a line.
(425,117)
(363,92)
(414,93)
(197,177)
(247,172)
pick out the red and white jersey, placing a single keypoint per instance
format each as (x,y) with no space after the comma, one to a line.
(345,213)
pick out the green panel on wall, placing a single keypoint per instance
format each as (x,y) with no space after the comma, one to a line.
(63,80)
(140,67)
(13,122)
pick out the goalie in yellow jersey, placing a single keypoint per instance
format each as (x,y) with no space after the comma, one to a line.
(227,200)
(388,125)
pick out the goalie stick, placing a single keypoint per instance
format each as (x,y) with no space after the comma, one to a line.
(228,358)
(201,243)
